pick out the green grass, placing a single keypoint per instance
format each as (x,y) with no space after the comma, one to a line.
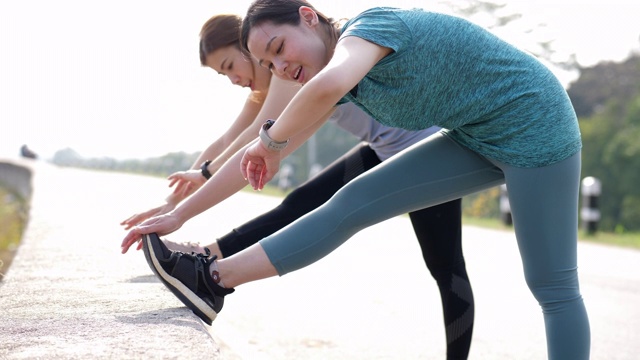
(628,239)
(13,218)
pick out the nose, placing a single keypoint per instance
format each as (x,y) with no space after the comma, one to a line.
(235,79)
(279,67)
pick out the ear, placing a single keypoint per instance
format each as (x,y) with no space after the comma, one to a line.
(308,15)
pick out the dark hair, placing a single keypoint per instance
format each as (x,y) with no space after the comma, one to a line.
(218,32)
(279,12)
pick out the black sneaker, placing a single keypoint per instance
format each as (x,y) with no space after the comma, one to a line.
(186,275)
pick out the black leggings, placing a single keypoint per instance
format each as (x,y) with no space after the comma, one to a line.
(438,229)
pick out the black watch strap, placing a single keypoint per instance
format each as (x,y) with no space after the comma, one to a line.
(204,171)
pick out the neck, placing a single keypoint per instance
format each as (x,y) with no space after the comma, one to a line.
(330,39)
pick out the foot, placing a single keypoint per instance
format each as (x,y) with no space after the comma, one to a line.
(187,276)
(185,247)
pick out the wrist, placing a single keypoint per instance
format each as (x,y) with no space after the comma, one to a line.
(173,199)
(267,141)
(179,213)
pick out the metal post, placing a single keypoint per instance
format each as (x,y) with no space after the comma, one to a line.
(312,157)
(505,207)
(589,213)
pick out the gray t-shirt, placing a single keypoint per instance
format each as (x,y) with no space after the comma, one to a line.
(385,141)
(445,71)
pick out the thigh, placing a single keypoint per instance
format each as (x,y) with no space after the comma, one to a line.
(544,206)
(431,172)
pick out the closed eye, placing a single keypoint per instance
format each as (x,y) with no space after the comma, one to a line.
(264,64)
(278,51)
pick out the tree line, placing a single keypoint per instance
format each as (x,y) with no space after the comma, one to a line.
(607,100)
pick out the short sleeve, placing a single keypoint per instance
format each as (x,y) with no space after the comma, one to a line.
(381,26)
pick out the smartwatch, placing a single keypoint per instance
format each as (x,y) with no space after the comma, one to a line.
(268,141)
(204,171)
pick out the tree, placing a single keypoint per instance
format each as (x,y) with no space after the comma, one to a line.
(611,151)
(603,82)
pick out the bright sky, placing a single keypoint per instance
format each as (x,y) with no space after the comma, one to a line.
(122,78)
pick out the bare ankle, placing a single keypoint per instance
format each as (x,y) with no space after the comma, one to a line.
(214,250)
(215,273)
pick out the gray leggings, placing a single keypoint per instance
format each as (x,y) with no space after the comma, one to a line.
(544,206)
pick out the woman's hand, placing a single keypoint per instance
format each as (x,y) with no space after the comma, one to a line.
(187,182)
(137,218)
(259,165)
(162,225)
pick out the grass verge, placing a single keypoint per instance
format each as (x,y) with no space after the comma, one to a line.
(629,239)
(13,217)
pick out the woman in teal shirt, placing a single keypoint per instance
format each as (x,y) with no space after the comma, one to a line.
(507,120)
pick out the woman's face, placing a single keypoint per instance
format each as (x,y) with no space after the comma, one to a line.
(241,70)
(295,53)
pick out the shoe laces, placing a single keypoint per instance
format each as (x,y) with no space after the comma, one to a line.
(192,246)
(204,258)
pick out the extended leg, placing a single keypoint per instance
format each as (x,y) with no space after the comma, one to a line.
(300,201)
(434,171)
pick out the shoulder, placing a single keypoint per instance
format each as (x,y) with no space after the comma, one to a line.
(382,15)
(371,16)
(381,25)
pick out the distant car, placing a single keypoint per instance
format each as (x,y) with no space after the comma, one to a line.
(27,153)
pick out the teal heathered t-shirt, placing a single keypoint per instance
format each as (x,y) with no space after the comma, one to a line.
(492,97)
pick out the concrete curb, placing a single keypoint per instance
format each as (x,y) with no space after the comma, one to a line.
(16,175)
(70,294)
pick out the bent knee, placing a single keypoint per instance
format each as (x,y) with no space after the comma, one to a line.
(552,291)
